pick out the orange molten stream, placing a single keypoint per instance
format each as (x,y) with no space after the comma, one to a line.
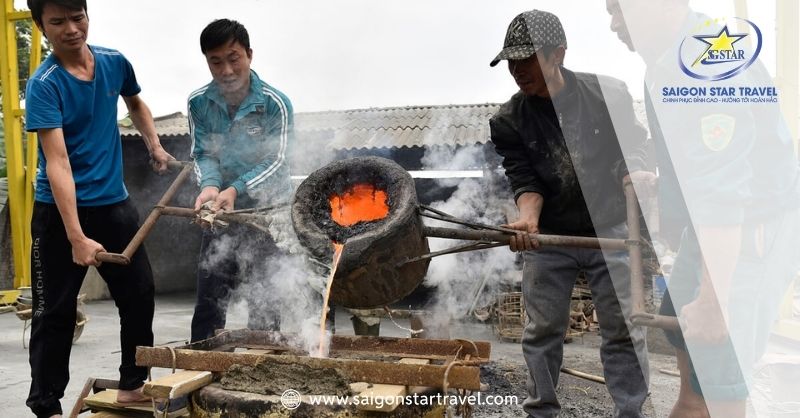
(360,203)
(337,254)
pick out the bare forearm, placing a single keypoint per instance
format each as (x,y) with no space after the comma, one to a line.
(530,207)
(63,186)
(143,121)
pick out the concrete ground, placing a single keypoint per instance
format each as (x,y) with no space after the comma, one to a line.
(96,354)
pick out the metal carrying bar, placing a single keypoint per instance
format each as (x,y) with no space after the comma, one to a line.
(239,217)
(125,257)
(490,236)
(639,316)
(255,217)
(499,237)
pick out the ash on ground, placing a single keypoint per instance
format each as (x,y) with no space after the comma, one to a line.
(579,398)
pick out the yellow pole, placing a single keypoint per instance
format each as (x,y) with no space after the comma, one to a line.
(20,186)
(14,154)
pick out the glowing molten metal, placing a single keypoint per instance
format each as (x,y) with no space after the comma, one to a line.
(360,203)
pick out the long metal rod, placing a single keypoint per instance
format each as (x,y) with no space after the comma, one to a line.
(442,216)
(634,233)
(500,236)
(147,225)
(545,240)
(454,250)
(240,217)
(639,315)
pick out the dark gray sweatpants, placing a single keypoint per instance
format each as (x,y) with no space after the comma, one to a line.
(549,275)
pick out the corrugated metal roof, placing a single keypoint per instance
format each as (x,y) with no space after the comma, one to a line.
(397,127)
(411,126)
(391,127)
(168,125)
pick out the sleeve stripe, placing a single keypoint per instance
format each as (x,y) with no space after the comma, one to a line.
(47,73)
(198,174)
(284,137)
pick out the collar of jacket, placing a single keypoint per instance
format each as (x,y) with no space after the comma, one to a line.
(255,100)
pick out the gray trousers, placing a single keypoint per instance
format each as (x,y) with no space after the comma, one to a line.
(549,275)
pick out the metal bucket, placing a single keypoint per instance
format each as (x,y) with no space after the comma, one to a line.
(371,271)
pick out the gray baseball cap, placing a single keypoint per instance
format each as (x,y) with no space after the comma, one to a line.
(528,33)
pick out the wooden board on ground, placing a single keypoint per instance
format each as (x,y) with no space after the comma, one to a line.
(383,398)
(107,400)
(389,394)
(177,384)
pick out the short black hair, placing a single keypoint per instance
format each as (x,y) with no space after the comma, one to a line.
(37,6)
(221,32)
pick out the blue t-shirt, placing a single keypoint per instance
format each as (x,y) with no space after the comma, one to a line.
(87,113)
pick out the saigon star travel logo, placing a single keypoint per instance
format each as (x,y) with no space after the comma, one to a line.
(719,53)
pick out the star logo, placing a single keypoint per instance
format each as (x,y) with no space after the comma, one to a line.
(720,48)
(718,54)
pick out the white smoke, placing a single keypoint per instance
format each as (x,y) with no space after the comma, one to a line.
(284,282)
(472,279)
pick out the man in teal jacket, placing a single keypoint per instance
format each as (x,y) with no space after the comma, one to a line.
(241,130)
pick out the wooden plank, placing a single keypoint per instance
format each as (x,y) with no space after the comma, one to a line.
(389,393)
(177,384)
(87,387)
(383,398)
(460,377)
(359,387)
(107,401)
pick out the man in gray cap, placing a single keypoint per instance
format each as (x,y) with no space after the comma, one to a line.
(563,158)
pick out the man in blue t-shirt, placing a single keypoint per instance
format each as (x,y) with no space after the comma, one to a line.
(82,206)
(241,130)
